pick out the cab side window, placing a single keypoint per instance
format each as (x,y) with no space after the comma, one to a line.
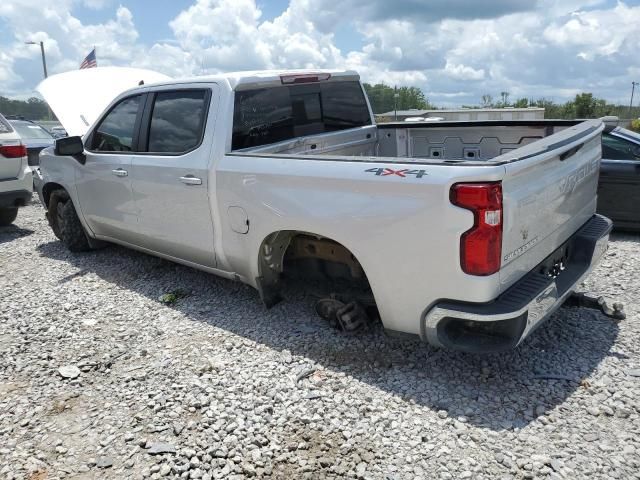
(116,131)
(615,148)
(177,121)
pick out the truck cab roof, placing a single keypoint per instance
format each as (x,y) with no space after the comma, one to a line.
(256,78)
(78,97)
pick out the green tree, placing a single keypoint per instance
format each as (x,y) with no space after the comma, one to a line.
(382,98)
(31,109)
(521,103)
(487,101)
(585,105)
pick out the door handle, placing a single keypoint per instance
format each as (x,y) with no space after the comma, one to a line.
(191,180)
(120,172)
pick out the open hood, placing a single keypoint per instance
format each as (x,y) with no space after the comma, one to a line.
(78,97)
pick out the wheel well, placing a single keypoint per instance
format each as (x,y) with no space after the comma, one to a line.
(305,256)
(48,189)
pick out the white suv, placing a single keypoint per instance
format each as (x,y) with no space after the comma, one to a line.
(16,180)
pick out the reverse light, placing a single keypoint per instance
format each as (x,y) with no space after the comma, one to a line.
(13,151)
(304,78)
(481,245)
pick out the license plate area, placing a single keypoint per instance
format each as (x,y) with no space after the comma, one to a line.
(556,263)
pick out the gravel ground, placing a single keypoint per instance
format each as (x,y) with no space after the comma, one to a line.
(215,386)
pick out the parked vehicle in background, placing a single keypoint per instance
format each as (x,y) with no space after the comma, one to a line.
(58,132)
(466,235)
(423,119)
(34,137)
(619,185)
(15,175)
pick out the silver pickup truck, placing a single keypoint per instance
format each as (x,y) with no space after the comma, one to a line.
(468,236)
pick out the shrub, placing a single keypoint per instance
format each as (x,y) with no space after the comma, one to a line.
(635,125)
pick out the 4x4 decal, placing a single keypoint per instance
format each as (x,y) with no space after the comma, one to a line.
(383,172)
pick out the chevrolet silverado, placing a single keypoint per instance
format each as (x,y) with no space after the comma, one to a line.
(468,235)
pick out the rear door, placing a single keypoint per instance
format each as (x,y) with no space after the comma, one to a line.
(170,179)
(619,186)
(103,182)
(549,192)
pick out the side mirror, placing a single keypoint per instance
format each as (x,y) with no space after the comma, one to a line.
(70,146)
(635,151)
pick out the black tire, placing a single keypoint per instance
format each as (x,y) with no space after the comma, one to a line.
(7,216)
(71,231)
(59,196)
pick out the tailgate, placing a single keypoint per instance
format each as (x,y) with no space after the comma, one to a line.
(549,192)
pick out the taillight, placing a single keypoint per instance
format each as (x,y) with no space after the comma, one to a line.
(480,246)
(13,151)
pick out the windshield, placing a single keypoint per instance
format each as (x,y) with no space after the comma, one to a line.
(28,130)
(624,133)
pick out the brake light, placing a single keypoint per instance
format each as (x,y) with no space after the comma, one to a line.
(304,78)
(13,151)
(480,246)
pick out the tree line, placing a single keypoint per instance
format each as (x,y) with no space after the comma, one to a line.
(584,105)
(383,99)
(32,109)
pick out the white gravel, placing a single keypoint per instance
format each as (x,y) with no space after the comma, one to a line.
(100,379)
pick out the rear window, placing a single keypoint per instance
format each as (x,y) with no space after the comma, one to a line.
(28,130)
(268,115)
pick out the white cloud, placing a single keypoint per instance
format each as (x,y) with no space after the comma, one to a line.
(463,72)
(456,49)
(599,32)
(96,4)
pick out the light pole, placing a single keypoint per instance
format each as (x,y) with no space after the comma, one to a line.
(44,68)
(395,102)
(44,61)
(633,87)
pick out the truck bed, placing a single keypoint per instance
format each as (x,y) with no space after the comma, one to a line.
(548,171)
(428,142)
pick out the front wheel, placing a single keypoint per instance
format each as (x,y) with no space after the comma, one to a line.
(66,225)
(7,216)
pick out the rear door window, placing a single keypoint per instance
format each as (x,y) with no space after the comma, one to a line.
(177,121)
(116,131)
(269,115)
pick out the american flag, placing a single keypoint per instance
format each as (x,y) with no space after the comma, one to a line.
(90,60)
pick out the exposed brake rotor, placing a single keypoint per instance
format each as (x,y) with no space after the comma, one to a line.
(349,317)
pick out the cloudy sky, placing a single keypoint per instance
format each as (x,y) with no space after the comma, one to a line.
(455,50)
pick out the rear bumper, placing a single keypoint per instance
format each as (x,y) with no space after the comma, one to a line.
(15,198)
(505,322)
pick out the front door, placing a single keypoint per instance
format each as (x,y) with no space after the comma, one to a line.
(170,178)
(104,181)
(619,185)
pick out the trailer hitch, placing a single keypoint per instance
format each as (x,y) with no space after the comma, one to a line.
(579,299)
